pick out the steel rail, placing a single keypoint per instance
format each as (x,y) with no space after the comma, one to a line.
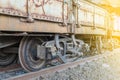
(9,68)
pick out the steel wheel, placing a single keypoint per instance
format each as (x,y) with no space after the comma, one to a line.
(28,54)
(7,58)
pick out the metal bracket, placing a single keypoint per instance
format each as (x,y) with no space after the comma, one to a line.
(62,58)
(74,41)
(41,52)
(57,44)
(29,17)
(63,14)
(75,46)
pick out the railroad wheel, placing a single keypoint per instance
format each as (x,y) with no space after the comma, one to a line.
(28,54)
(7,58)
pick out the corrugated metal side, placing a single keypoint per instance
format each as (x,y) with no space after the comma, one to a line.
(51,10)
(91,15)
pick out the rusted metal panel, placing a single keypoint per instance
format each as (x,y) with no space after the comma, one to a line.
(13,7)
(116,22)
(90,14)
(51,10)
(100,16)
(90,30)
(14,24)
(91,18)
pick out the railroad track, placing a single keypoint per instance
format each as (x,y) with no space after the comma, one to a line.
(10,71)
(9,68)
(56,69)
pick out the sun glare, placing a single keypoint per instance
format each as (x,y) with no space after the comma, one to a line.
(117,23)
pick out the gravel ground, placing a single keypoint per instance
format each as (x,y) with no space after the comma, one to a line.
(107,68)
(8,74)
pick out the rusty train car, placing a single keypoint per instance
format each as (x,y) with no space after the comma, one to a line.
(41,31)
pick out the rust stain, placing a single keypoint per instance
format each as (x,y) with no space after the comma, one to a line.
(12,11)
(40,3)
(51,10)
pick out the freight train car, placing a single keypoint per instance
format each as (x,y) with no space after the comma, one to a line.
(94,23)
(41,32)
(115,31)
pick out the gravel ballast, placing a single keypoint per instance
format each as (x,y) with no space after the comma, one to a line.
(106,68)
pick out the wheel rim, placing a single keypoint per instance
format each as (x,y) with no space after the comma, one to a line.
(28,54)
(7,58)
